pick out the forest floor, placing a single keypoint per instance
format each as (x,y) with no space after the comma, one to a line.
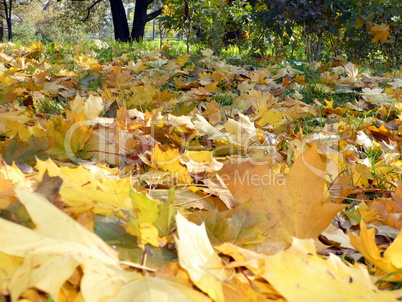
(147,177)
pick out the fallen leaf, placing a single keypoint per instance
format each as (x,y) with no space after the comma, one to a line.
(83,191)
(335,234)
(155,289)
(50,248)
(169,160)
(389,262)
(49,186)
(93,107)
(200,161)
(218,187)
(295,206)
(198,258)
(8,265)
(298,273)
(24,152)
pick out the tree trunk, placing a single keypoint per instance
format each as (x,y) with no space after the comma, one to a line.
(318,47)
(120,25)
(9,29)
(1,31)
(141,18)
(8,7)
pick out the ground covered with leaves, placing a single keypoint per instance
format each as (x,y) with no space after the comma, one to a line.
(148,178)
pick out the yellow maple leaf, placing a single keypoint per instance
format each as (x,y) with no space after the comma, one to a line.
(260,76)
(198,258)
(93,107)
(155,289)
(242,130)
(151,220)
(361,175)
(6,190)
(329,104)
(8,265)
(15,175)
(300,275)
(243,257)
(54,249)
(182,59)
(212,87)
(270,117)
(81,189)
(380,32)
(67,139)
(169,160)
(136,67)
(86,62)
(6,80)
(200,161)
(35,46)
(120,78)
(149,234)
(301,80)
(14,116)
(389,262)
(245,86)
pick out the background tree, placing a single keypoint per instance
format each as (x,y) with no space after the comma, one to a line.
(120,24)
(326,28)
(359,31)
(120,20)
(213,23)
(293,19)
(6,13)
(141,17)
(62,21)
(358,39)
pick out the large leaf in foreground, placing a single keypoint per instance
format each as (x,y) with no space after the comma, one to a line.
(299,274)
(198,258)
(389,262)
(54,251)
(154,289)
(294,205)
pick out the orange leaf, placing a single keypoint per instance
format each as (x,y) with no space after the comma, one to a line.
(380,32)
(286,81)
(296,205)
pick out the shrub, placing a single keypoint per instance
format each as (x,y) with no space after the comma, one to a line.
(24,32)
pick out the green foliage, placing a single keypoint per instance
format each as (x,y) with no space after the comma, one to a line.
(326,28)
(24,32)
(52,31)
(260,27)
(63,22)
(214,24)
(364,15)
(224,99)
(50,106)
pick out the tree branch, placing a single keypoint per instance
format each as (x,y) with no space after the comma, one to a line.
(5,4)
(89,10)
(19,17)
(154,14)
(49,3)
